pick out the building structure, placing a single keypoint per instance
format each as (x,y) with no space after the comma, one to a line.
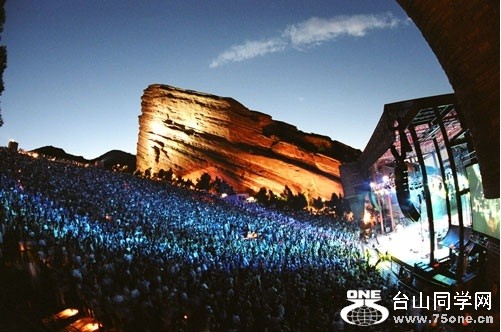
(417,188)
(465,39)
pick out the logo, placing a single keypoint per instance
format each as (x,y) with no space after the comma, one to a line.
(364,311)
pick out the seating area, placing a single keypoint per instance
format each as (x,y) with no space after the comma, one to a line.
(137,255)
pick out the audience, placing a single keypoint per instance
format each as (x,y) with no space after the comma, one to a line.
(140,255)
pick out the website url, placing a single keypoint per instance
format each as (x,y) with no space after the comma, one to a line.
(444,319)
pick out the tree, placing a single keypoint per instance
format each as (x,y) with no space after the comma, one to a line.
(217,185)
(262,196)
(318,204)
(3,52)
(204,182)
(346,205)
(186,183)
(333,203)
(165,176)
(298,202)
(339,208)
(223,187)
(287,194)
(272,198)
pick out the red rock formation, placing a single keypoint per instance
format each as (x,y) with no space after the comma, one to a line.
(194,133)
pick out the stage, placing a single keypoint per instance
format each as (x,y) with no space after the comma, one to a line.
(408,246)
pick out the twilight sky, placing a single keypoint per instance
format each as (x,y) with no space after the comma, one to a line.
(76,69)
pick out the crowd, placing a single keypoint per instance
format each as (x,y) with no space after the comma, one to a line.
(141,255)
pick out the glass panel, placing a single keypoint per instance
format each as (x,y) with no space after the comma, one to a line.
(485,212)
(459,152)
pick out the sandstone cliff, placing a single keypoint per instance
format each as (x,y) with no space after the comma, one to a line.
(194,133)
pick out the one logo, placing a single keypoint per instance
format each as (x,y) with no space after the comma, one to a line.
(364,311)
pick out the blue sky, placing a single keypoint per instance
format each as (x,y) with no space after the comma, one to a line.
(77,69)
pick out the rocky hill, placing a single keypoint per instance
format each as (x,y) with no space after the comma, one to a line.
(107,160)
(194,133)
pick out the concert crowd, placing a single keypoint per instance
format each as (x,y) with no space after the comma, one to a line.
(140,255)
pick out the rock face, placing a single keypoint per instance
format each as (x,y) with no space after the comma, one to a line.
(194,133)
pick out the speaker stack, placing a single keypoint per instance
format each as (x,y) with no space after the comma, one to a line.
(403,192)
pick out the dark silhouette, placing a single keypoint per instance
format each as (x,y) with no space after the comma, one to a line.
(3,53)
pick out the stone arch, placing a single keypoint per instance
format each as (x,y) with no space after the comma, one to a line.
(464,35)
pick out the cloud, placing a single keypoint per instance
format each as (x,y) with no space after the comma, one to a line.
(317,30)
(311,32)
(248,50)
